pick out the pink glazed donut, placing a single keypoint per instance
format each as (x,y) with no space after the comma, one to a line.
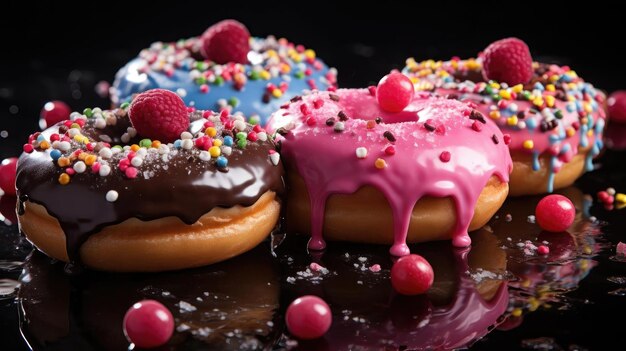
(432,171)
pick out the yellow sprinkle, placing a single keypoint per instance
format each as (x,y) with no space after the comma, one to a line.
(285,68)
(63,161)
(584,264)
(495,85)
(156,144)
(277,93)
(215,151)
(571,98)
(134,147)
(512,121)
(217,142)
(210,131)
(587,107)
(64,178)
(310,54)
(516,312)
(44,145)
(78,138)
(554,78)
(505,94)
(265,75)
(590,132)
(620,197)
(538,101)
(471,64)
(75,125)
(528,144)
(271,53)
(90,160)
(570,132)
(495,114)
(526,283)
(82,156)
(534,304)
(550,87)
(518,88)
(380,163)
(550,100)
(414,79)
(454,64)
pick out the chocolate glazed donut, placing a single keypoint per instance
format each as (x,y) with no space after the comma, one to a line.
(176,200)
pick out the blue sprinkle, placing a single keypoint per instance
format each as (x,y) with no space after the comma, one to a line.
(538,86)
(531,123)
(55,154)
(178,144)
(551,175)
(565,148)
(228,140)
(40,138)
(536,161)
(571,107)
(554,138)
(222,162)
(579,105)
(566,78)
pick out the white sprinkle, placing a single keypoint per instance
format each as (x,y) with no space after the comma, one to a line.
(164,149)
(186,307)
(182,92)
(362,259)
(125,138)
(142,152)
(339,127)
(136,161)
(183,327)
(275,157)
(205,156)
(227,150)
(105,170)
(131,131)
(262,136)
(610,191)
(64,146)
(361,152)
(80,167)
(105,138)
(187,144)
(105,152)
(73,132)
(116,150)
(186,135)
(291,280)
(222,102)
(240,125)
(100,123)
(531,219)
(112,195)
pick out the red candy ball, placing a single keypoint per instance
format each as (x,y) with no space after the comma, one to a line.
(412,275)
(54,112)
(7,175)
(617,106)
(395,91)
(308,317)
(555,213)
(148,324)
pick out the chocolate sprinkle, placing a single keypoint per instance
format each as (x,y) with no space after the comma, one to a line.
(521,115)
(389,136)
(429,126)
(334,97)
(495,139)
(296,98)
(330,122)
(378,120)
(342,116)
(476,115)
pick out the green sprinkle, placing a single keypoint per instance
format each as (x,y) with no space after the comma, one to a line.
(233,101)
(219,80)
(75,125)
(254,75)
(201,80)
(242,143)
(254,120)
(299,75)
(145,143)
(241,135)
(526,95)
(558,114)
(496,97)
(118,147)
(87,112)
(201,66)
(488,90)
(125,105)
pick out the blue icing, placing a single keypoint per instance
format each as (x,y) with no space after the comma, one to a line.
(536,165)
(551,174)
(130,80)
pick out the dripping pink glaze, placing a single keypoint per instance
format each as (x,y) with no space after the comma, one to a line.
(327,160)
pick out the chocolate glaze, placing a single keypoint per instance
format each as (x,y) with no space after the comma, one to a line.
(187,188)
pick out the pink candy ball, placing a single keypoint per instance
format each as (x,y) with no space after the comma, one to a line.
(7,175)
(555,213)
(412,275)
(148,324)
(308,317)
(395,91)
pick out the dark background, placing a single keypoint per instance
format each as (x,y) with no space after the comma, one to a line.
(60,51)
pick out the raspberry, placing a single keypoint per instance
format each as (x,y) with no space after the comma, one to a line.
(617,106)
(159,114)
(508,60)
(226,41)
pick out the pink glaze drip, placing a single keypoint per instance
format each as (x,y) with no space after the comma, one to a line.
(327,161)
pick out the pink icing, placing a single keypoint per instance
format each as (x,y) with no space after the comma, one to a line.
(327,159)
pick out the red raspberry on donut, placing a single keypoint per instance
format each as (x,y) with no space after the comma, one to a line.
(508,60)
(159,114)
(226,41)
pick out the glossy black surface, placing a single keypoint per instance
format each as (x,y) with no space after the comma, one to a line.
(50,53)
